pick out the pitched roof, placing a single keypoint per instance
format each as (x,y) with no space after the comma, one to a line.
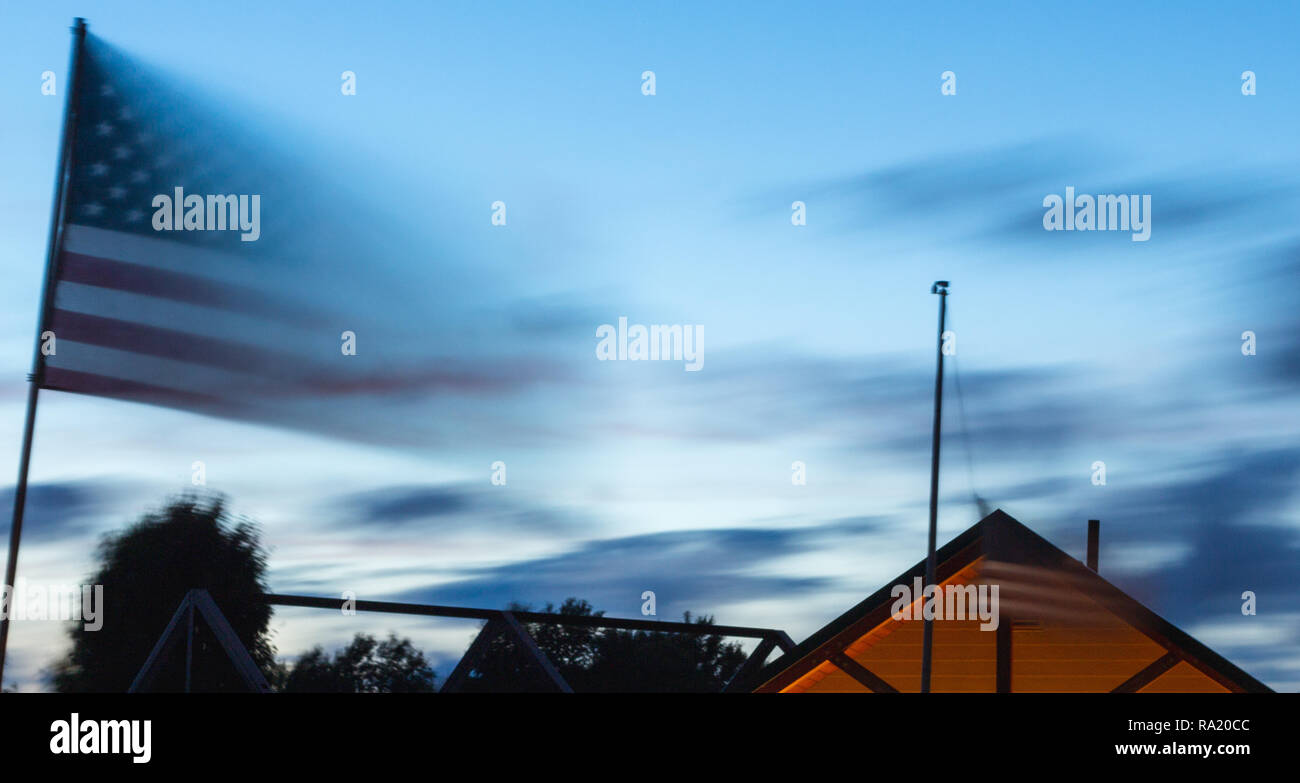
(1039,581)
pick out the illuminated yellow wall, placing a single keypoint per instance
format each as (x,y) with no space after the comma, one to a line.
(1062,642)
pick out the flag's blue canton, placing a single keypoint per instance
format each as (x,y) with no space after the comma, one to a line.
(130,146)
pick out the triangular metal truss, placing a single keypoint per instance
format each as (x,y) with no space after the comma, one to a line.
(509,627)
(198,601)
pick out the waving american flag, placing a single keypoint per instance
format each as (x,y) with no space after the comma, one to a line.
(198,269)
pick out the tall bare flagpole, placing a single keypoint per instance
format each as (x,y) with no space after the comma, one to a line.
(36,377)
(927,641)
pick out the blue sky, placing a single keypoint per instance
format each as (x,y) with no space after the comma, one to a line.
(675,208)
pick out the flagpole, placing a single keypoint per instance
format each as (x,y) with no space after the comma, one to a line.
(940,287)
(47,294)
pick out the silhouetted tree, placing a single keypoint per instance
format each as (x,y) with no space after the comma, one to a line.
(504,668)
(609,660)
(364,666)
(663,662)
(145,571)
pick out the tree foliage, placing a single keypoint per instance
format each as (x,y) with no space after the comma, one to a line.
(145,571)
(609,660)
(364,666)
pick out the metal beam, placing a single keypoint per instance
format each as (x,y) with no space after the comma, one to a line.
(530,647)
(1148,675)
(751,665)
(1003,641)
(390,607)
(434,610)
(166,641)
(244,664)
(471,657)
(783,641)
(189,645)
(860,673)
